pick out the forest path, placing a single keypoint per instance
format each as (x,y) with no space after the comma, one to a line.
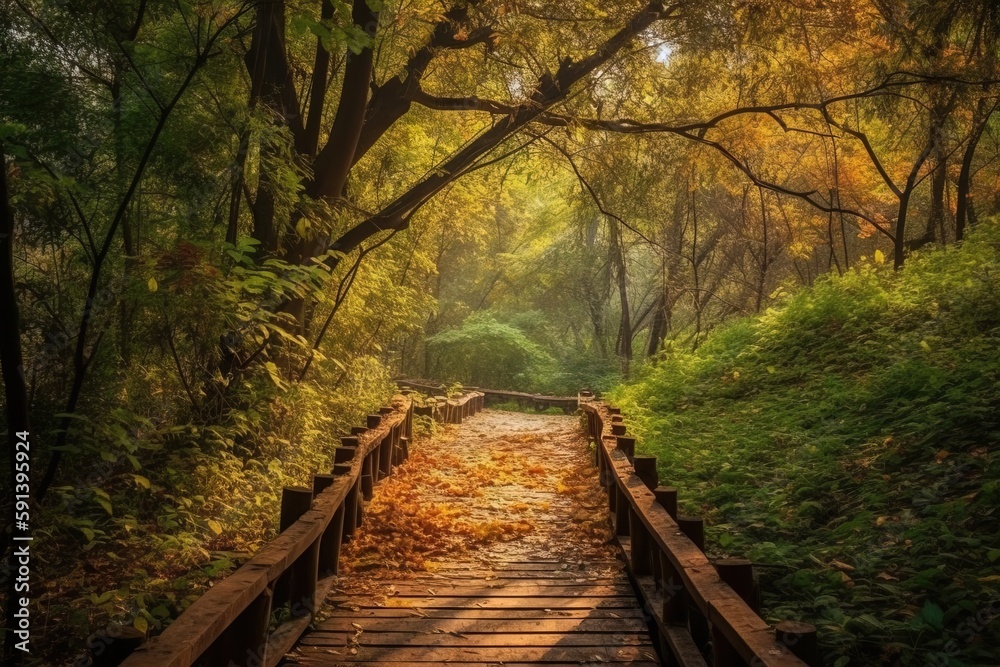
(489,546)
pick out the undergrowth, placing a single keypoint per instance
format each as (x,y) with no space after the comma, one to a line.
(846,441)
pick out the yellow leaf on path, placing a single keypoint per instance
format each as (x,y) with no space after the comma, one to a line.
(879,257)
(152,284)
(215,526)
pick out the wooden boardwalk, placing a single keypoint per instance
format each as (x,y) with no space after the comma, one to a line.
(540,587)
(487,544)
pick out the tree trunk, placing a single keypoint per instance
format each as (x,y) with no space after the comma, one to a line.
(616,246)
(963,206)
(659,327)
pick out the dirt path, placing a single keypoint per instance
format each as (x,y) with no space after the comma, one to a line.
(489,546)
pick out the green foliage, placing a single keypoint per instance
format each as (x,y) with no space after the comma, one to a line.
(847,440)
(487,353)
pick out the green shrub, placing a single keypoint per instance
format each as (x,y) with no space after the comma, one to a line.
(857,423)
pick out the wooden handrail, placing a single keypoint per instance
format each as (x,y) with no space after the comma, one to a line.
(696,611)
(538,401)
(229,622)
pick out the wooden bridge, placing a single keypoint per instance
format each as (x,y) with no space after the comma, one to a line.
(606,571)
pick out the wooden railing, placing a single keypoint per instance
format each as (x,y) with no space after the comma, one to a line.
(705,612)
(231,623)
(567,404)
(447,410)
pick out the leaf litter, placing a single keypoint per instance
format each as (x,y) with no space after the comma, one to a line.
(502,487)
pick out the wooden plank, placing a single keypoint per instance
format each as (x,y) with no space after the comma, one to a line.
(333,660)
(478,612)
(513,590)
(480,625)
(537,567)
(584,654)
(534,579)
(481,640)
(628,602)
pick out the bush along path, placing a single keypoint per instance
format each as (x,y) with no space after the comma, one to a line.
(847,442)
(490,545)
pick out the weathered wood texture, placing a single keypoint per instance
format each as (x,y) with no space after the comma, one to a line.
(228,625)
(467,614)
(701,619)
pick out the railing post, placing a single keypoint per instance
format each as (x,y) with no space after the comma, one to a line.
(723,654)
(605,464)
(350,503)
(800,639)
(738,573)
(674,594)
(645,469)
(641,565)
(694,528)
(110,647)
(667,497)
(344,454)
(295,501)
(385,454)
(627,445)
(373,420)
(248,633)
(622,510)
(368,476)
(329,546)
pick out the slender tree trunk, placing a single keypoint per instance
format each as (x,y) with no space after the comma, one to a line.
(236,185)
(963,206)
(621,278)
(765,262)
(658,329)
(936,212)
(899,242)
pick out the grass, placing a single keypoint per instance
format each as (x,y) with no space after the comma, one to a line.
(847,442)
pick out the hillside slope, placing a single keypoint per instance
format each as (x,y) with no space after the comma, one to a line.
(848,442)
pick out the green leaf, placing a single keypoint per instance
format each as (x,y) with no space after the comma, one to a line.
(993,555)
(932,615)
